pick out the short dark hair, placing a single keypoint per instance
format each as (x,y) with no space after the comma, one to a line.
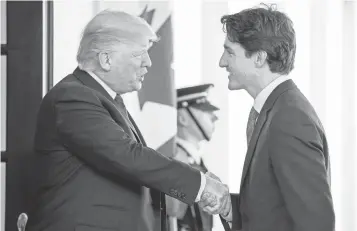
(264,29)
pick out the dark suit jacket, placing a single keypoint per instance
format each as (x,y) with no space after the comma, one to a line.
(286,175)
(91,165)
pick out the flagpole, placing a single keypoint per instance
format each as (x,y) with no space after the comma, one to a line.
(163,212)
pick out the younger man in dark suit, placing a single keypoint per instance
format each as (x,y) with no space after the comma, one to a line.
(285,184)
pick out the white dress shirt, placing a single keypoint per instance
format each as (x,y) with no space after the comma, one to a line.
(264,94)
(113,95)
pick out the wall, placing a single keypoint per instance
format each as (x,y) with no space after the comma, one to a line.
(70,17)
(349,122)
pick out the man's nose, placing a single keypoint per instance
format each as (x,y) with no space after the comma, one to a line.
(214,117)
(222,62)
(147,61)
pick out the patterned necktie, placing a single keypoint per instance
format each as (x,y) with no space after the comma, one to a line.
(253,115)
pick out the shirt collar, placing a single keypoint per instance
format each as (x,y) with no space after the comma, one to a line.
(112,93)
(191,149)
(264,94)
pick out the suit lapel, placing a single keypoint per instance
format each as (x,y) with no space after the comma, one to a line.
(289,84)
(253,141)
(88,80)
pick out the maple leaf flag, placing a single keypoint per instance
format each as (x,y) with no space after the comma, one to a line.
(157,98)
(156,115)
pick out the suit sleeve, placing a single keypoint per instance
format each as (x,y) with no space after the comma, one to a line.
(236,217)
(174,207)
(88,131)
(300,165)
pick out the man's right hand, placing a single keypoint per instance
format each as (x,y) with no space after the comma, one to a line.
(215,198)
(227,212)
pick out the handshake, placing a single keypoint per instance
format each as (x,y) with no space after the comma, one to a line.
(215,198)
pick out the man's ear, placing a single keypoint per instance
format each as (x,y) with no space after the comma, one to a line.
(104,60)
(182,118)
(260,58)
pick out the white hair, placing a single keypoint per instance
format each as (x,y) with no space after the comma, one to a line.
(106,31)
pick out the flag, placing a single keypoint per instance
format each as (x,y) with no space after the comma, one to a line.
(157,98)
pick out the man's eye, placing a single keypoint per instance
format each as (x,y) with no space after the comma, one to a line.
(136,54)
(227,51)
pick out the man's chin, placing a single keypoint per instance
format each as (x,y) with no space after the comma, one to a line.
(233,87)
(138,86)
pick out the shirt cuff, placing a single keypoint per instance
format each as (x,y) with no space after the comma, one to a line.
(202,187)
(228,218)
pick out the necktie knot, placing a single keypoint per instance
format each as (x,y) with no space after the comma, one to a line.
(253,115)
(118,99)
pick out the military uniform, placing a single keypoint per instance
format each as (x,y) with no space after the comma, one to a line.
(193,218)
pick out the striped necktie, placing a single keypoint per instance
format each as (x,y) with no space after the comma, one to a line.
(253,115)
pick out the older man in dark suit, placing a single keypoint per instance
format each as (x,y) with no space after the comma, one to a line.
(285,184)
(91,161)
